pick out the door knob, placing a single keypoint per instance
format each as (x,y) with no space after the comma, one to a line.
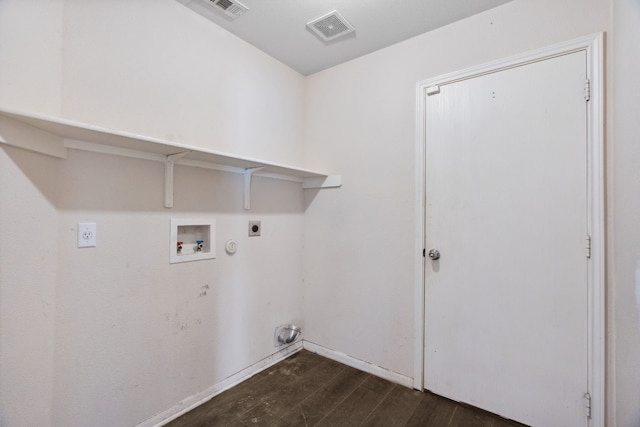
(434,254)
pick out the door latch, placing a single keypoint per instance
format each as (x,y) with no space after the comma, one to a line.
(434,254)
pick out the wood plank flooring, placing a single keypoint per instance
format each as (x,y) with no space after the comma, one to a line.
(309,390)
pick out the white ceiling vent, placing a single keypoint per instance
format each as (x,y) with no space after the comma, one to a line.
(330,26)
(231,8)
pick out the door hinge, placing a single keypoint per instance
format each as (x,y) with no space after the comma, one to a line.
(588,246)
(587,90)
(587,403)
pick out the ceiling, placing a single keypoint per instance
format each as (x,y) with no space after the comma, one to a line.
(278,27)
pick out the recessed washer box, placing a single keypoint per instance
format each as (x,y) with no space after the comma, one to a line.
(192,239)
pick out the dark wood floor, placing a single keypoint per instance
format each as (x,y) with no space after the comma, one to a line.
(309,390)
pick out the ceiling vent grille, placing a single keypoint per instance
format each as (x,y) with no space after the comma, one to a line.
(330,26)
(231,8)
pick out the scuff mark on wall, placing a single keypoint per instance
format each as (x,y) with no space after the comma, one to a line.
(204,291)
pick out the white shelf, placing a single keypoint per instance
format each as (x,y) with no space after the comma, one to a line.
(54,136)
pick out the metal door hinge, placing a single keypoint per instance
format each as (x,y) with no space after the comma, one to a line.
(588,246)
(587,400)
(587,90)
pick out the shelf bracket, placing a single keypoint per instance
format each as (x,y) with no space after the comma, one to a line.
(168,177)
(248,174)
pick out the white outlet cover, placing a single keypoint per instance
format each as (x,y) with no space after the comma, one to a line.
(87,234)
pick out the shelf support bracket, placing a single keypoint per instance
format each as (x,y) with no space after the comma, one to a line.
(168,177)
(248,174)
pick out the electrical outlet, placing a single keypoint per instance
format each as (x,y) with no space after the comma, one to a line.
(86,234)
(254,228)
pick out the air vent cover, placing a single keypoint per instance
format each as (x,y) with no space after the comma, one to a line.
(330,26)
(231,8)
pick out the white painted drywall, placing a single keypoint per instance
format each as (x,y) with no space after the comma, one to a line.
(158,68)
(135,335)
(30,53)
(624,212)
(114,335)
(359,257)
(28,277)
(116,340)
(30,73)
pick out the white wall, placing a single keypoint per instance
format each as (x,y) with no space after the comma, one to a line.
(157,68)
(114,335)
(30,73)
(136,335)
(624,252)
(360,120)
(30,47)
(28,243)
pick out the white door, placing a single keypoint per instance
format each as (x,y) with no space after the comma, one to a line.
(506,191)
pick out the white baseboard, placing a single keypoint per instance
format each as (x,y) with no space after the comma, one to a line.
(198,399)
(359,364)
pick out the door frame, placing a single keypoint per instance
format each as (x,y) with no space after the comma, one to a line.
(593,46)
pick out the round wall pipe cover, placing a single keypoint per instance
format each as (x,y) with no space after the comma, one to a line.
(286,334)
(231,246)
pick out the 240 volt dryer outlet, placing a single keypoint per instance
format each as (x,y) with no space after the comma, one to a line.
(254,228)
